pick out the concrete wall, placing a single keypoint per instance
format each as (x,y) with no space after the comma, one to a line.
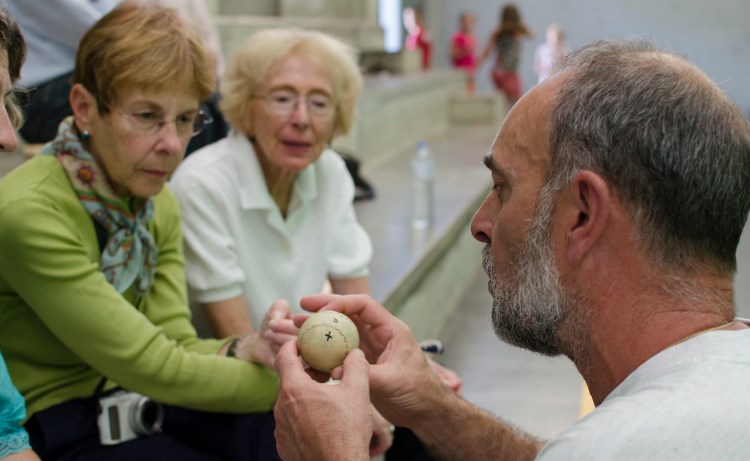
(353,22)
(235,29)
(395,112)
(712,34)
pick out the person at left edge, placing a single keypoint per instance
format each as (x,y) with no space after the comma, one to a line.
(92,287)
(14,441)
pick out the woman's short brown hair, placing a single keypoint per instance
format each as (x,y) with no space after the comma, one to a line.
(249,66)
(142,46)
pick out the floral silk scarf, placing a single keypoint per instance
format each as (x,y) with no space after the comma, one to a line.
(130,254)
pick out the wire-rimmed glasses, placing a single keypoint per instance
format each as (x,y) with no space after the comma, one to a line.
(149,122)
(284,102)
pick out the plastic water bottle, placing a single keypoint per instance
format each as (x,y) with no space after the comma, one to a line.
(423,187)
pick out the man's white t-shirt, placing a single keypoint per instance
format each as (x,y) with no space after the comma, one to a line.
(689,402)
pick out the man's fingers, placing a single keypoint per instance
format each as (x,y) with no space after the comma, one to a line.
(299,319)
(363,306)
(356,370)
(287,361)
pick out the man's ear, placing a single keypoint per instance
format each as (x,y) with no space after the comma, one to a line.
(587,209)
(84,107)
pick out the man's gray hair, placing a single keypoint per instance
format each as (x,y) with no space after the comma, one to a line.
(671,145)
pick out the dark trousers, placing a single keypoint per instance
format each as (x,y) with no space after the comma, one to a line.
(406,447)
(69,432)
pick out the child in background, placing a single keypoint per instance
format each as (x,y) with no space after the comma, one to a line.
(505,41)
(463,48)
(418,38)
(549,53)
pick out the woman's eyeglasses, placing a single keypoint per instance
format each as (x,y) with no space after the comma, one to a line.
(187,125)
(284,102)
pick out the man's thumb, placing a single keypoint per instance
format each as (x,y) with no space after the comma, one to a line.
(356,369)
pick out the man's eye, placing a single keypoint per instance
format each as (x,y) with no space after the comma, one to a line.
(498,189)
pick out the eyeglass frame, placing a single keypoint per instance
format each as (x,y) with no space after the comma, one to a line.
(202,120)
(295,103)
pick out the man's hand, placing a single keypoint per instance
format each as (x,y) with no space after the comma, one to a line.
(402,381)
(403,386)
(323,421)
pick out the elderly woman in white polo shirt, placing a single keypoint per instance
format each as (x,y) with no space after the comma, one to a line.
(267,212)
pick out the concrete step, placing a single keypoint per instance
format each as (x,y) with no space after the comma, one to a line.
(300,8)
(362,34)
(396,111)
(477,108)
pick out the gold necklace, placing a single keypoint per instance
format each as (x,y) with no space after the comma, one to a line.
(693,335)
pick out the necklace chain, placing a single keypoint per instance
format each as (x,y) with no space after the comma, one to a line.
(693,335)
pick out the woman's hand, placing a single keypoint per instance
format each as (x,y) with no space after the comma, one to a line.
(276,329)
(449,377)
(382,434)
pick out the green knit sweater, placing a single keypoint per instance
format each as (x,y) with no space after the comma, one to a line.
(63,326)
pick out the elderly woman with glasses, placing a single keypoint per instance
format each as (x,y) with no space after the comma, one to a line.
(93,305)
(267,212)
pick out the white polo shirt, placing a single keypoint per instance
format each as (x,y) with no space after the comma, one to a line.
(237,242)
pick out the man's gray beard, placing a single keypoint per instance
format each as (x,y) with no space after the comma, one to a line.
(528,305)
